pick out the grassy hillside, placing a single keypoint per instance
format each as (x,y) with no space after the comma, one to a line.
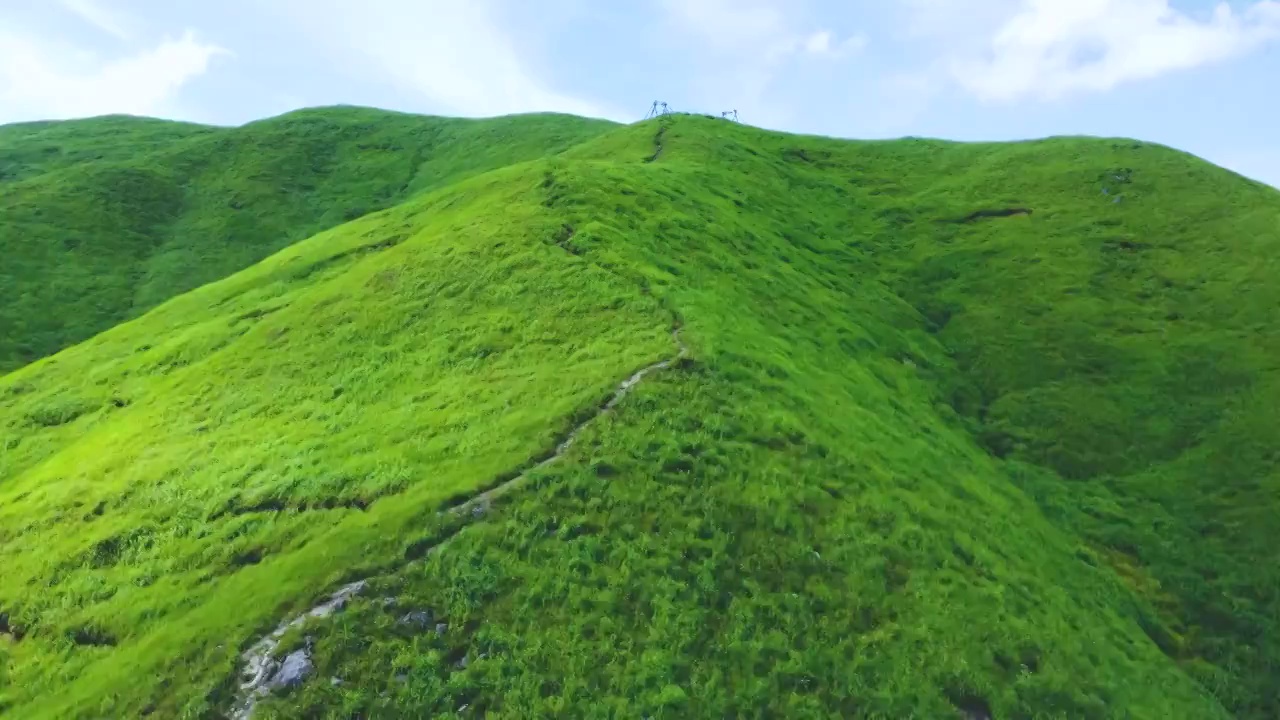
(33,148)
(106,218)
(958,434)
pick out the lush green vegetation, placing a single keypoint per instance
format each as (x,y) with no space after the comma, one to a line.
(106,218)
(958,434)
(31,149)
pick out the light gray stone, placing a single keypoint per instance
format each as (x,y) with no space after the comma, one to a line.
(293,670)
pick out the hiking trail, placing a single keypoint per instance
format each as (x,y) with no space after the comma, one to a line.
(263,673)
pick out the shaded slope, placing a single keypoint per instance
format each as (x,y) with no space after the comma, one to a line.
(843,503)
(1130,350)
(130,212)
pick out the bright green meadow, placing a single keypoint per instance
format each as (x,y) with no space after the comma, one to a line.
(963,430)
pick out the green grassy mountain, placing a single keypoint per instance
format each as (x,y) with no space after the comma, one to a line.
(106,218)
(919,429)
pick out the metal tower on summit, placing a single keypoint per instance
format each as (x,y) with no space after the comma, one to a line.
(658,108)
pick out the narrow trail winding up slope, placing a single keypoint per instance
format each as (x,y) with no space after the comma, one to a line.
(263,673)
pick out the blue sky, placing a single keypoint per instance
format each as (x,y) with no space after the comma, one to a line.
(1200,75)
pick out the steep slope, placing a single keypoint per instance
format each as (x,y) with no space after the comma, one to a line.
(106,218)
(956,434)
(415,354)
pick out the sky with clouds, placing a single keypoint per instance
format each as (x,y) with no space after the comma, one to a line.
(1201,75)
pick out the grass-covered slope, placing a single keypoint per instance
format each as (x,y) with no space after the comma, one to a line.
(310,411)
(105,218)
(33,148)
(958,434)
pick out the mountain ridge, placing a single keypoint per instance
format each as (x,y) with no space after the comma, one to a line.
(102,238)
(1015,466)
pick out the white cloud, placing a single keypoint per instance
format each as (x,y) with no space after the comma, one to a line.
(41,78)
(818,43)
(726,24)
(454,54)
(822,44)
(90,11)
(953,20)
(758,28)
(1049,49)
(741,48)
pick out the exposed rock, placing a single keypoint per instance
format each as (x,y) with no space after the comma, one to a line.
(296,667)
(337,601)
(263,673)
(441,629)
(417,618)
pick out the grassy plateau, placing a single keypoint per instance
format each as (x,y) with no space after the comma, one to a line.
(959,430)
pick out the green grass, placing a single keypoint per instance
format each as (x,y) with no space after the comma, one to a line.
(106,218)
(918,463)
(31,149)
